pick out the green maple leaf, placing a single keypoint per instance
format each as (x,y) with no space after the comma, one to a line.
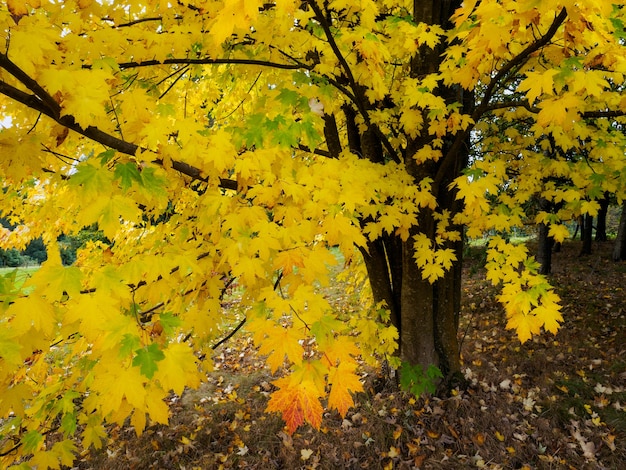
(31,441)
(169,322)
(128,344)
(68,424)
(147,358)
(153,182)
(290,97)
(127,173)
(95,179)
(324,328)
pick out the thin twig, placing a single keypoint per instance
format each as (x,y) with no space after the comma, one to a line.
(243,100)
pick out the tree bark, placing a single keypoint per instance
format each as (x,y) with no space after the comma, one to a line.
(619,250)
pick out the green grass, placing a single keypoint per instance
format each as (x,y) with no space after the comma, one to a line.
(21,274)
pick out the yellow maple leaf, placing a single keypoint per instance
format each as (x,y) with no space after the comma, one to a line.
(537,83)
(343,348)
(343,381)
(32,311)
(178,369)
(54,280)
(156,408)
(93,432)
(17,7)
(115,383)
(138,421)
(525,325)
(549,311)
(281,342)
(559,232)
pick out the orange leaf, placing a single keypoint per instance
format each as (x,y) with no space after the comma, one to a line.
(297,402)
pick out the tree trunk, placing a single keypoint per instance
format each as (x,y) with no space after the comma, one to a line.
(619,251)
(586,232)
(545,242)
(417,340)
(601,219)
(544,250)
(426,315)
(430,312)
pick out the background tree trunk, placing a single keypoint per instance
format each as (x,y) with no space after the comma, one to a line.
(545,243)
(601,218)
(619,251)
(544,249)
(586,232)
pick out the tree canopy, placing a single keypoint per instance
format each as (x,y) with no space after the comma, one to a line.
(215,142)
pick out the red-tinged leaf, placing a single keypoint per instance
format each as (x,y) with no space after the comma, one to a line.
(297,402)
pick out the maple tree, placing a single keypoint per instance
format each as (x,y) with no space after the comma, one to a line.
(249,141)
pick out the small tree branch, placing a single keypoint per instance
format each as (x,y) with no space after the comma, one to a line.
(358,98)
(323,153)
(603,114)
(229,335)
(134,22)
(516,62)
(484,105)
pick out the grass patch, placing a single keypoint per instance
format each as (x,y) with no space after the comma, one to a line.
(20,274)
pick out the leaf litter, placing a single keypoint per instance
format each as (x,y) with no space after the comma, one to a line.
(555,402)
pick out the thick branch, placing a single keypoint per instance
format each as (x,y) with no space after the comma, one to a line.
(332,135)
(38,92)
(598,114)
(359,102)
(359,98)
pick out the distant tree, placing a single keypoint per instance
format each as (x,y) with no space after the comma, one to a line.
(545,242)
(601,218)
(10,258)
(586,234)
(36,250)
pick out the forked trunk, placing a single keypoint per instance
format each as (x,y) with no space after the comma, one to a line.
(426,315)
